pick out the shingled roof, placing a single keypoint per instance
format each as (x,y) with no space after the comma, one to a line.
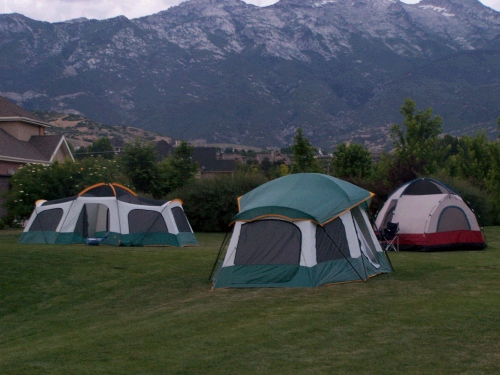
(14,148)
(206,157)
(46,144)
(9,110)
(39,148)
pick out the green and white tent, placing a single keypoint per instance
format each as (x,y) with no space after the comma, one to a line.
(301,230)
(113,213)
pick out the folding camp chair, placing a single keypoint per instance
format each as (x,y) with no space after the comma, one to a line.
(389,237)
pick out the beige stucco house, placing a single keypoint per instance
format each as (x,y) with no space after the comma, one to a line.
(23,141)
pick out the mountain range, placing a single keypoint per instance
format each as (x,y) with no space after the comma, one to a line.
(227,71)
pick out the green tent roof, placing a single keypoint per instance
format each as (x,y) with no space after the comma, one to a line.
(308,196)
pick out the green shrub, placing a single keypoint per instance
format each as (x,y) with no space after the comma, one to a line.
(211,203)
(3,225)
(58,180)
(380,189)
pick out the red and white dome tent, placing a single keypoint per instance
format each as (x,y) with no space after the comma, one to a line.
(431,217)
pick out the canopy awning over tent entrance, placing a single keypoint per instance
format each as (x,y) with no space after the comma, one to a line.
(303,196)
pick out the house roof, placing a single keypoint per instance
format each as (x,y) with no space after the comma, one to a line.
(206,157)
(11,112)
(46,144)
(12,147)
(38,149)
(274,157)
(117,142)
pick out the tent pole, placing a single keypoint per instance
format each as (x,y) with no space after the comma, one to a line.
(338,248)
(219,254)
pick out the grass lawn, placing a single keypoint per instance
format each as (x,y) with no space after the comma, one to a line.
(120,310)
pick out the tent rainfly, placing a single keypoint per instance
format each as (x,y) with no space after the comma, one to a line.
(113,213)
(301,230)
(431,216)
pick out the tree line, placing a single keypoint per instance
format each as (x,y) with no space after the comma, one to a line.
(468,164)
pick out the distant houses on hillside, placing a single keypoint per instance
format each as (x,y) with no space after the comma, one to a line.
(212,161)
(23,140)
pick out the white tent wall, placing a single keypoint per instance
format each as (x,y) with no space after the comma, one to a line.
(125,209)
(308,242)
(450,201)
(383,211)
(96,212)
(359,255)
(369,245)
(417,215)
(98,218)
(373,237)
(39,208)
(77,207)
(233,243)
(308,233)
(171,223)
(308,253)
(352,238)
(165,210)
(431,217)
(412,212)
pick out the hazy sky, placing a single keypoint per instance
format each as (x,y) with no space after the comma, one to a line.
(63,10)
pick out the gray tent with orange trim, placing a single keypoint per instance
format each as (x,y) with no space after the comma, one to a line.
(301,230)
(113,213)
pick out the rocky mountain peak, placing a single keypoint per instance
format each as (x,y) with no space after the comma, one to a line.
(224,70)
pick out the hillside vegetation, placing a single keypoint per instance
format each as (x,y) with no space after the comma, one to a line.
(82,131)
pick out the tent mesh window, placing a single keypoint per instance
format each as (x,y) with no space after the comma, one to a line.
(59,201)
(129,198)
(47,220)
(82,225)
(100,191)
(269,242)
(144,221)
(452,218)
(389,214)
(120,192)
(181,220)
(331,242)
(151,202)
(93,218)
(424,187)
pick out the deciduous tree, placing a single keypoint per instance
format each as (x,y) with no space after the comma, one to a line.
(304,155)
(177,170)
(139,162)
(415,140)
(352,160)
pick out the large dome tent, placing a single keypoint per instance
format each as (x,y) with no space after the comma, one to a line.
(112,212)
(431,216)
(301,230)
